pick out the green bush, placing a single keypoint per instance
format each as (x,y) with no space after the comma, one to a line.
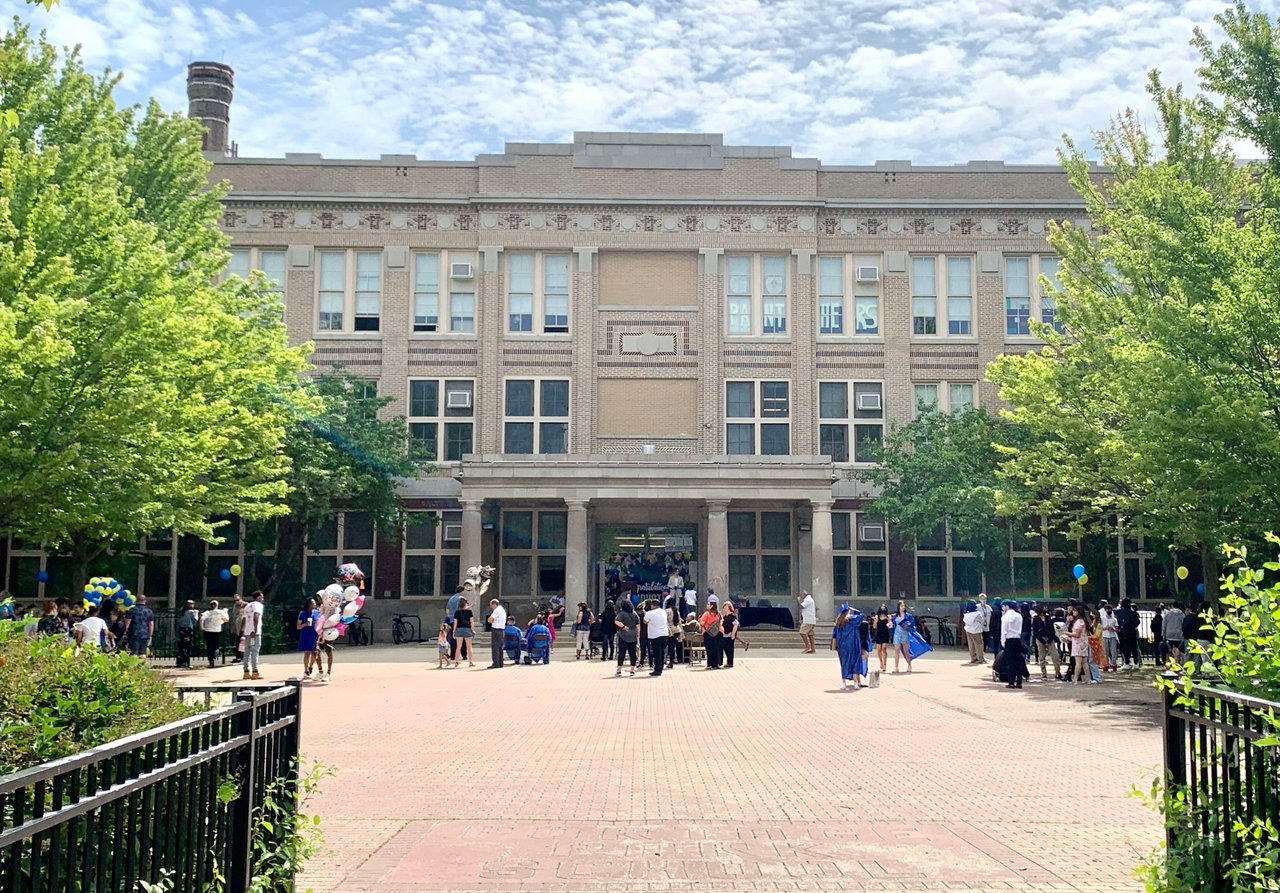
(55,702)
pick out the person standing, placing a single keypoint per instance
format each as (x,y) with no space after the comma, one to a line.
(985,610)
(188,620)
(252,618)
(655,624)
(608,629)
(237,627)
(850,646)
(881,634)
(140,627)
(628,626)
(92,630)
(1045,636)
(808,620)
(1160,650)
(463,618)
(974,627)
(1172,628)
(1013,663)
(675,583)
(728,632)
(450,608)
(497,632)
(1129,623)
(1110,637)
(902,624)
(690,599)
(211,622)
(711,632)
(308,640)
(582,632)
(1079,644)
(675,635)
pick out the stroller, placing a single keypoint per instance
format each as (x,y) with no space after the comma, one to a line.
(596,638)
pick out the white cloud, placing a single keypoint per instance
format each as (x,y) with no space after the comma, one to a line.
(848,81)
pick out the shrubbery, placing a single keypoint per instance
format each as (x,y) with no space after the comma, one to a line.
(54,702)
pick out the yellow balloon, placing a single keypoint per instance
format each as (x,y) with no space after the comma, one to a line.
(235,570)
(1182,573)
(1084,579)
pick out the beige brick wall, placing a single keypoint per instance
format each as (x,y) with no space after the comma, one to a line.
(648,278)
(647,407)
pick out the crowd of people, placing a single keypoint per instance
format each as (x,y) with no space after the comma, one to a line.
(107,626)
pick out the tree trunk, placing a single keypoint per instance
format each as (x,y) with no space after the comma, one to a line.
(1209,569)
(83,551)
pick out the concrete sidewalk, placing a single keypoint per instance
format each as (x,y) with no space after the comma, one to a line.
(762,778)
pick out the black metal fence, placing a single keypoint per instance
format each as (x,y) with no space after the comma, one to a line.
(1222,768)
(179,799)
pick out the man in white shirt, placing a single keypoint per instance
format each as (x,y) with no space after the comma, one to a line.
(655,622)
(92,630)
(690,599)
(497,632)
(253,616)
(808,620)
(974,627)
(1014,661)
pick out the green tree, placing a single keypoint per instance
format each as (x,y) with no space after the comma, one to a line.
(137,393)
(941,468)
(343,455)
(1161,403)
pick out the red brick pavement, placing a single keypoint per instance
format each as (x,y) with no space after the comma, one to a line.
(762,779)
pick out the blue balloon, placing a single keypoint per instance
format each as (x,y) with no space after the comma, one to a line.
(1200,589)
(225,573)
(43,576)
(1078,570)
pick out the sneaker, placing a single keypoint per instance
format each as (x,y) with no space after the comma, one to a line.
(617,672)
(1094,682)
(633,671)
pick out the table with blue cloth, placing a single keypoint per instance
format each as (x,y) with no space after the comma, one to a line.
(772,616)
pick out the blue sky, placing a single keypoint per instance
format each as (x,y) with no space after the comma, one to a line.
(848,81)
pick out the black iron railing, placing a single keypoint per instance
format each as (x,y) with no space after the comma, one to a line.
(179,799)
(1223,773)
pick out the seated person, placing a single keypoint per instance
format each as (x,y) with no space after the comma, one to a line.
(512,639)
(539,627)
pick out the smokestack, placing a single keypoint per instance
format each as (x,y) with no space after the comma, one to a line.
(209,89)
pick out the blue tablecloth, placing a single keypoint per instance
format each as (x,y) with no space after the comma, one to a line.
(774,616)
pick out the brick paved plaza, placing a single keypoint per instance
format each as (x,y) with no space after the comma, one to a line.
(761,778)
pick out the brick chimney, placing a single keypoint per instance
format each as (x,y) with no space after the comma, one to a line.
(209,89)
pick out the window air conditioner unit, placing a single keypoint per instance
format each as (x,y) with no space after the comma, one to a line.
(868,274)
(453,532)
(457,400)
(868,401)
(871,533)
(460,271)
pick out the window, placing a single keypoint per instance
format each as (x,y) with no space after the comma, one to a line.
(945,396)
(533,554)
(959,296)
(834,311)
(350,291)
(269,261)
(756,294)
(1017,295)
(759,554)
(860,557)
(757,417)
(1048,295)
(441,417)
(945,568)
(536,416)
(850,417)
(538,293)
(432,554)
(924,296)
(448,309)
(344,538)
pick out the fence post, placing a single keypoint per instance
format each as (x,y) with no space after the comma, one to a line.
(240,850)
(1175,754)
(295,739)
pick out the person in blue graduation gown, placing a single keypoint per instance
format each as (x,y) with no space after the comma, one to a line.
(851,645)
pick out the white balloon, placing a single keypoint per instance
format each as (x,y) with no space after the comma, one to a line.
(333,589)
(330,634)
(350,592)
(333,619)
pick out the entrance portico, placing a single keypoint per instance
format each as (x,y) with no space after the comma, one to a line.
(781,507)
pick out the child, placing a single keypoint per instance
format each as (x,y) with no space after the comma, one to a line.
(442,643)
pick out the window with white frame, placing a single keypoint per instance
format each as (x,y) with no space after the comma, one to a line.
(924,295)
(944,396)
(959,296)
(441,417)
(533,554)
(444,296)
(850,420)
(860,555)
(756,294)
(837,315)
(350,294)
(535,416)
(268,261)
(757,418)
(538,292)
(759,554)
(1026,294)
(432,553)
(342,538)
(956,272)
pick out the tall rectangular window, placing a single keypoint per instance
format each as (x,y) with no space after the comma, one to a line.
(739,295)
(833,415)
(1017,295)
(757,418)
(961,397)
(959,296)
(441,418)
(760,545)
(536,416)
(926,397)
(924,295)
(538,293)
(555,293)
(426,292)
(520,293)
(850,420)
(432,553)
(831,296)
(1048,295)
(756,298)
(866,295)
(333,289)
(271,263)
(368,291)
(775,295)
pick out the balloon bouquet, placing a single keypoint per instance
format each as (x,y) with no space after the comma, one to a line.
(100,589)
(477,580)
(340,602)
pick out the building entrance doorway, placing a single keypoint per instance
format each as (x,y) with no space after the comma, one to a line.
(637,560)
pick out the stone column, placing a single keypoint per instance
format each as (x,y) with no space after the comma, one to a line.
(717,565)
(472,532)
(576,582)
(823,583)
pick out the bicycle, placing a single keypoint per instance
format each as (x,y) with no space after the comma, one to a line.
(406,628)
(360,632)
